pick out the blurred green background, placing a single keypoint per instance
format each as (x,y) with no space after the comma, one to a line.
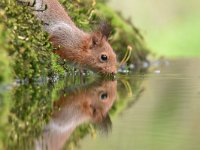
(171,27)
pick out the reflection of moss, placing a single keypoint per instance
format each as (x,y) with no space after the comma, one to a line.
(23,121)
(32,105)
(129,89)
(5,105)
(30,111)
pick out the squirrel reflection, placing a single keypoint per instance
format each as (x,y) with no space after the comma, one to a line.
(74,108)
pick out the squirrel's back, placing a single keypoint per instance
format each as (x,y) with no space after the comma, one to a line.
(57,23)
(53,13)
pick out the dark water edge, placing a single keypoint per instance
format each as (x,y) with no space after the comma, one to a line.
(154,110)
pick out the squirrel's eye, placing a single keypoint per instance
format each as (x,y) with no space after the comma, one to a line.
(103,96)
(104,58)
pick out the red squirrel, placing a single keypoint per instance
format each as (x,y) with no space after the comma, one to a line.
(87,104)
(91,50)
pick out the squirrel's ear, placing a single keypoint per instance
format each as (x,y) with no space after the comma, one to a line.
(92,41)
(96,39)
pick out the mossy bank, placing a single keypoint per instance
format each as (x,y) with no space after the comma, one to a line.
(27,53)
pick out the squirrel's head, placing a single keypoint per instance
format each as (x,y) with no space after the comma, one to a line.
(91,50)
(100,99)
(93,102)
(103,59)
(100,55)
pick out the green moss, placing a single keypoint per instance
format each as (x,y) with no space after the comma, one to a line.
(5,106)
(26,43)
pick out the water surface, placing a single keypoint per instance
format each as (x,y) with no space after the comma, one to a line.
(151,111)
(166,116)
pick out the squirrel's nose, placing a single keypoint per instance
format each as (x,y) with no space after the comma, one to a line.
(113,73)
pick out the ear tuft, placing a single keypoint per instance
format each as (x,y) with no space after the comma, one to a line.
(105,28)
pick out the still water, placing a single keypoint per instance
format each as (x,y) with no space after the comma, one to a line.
(151,111)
